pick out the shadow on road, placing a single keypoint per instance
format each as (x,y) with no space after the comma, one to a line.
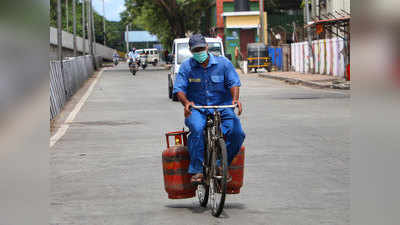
(197,209)
(194,208)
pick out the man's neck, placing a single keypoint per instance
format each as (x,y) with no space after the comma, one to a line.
(205,63)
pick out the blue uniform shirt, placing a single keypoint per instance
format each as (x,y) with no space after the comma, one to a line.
(207,86)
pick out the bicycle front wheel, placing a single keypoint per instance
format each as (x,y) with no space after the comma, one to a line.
(218,183)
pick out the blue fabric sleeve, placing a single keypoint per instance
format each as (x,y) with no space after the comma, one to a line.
(231,76)
(181,80)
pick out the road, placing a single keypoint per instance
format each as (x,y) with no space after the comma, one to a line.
(106,169)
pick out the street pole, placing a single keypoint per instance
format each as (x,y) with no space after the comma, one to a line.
(310,51)
(90,37)
(313,9)
(127,39)
(74,25)
(261,6)
(59,31)
(66,13)
(83,28)
(104,24)
(93,30)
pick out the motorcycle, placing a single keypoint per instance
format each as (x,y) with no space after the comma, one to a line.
(132,67)
(115,60)
(143,62)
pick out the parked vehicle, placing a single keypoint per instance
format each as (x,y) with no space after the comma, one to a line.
(181,51)
(257,57)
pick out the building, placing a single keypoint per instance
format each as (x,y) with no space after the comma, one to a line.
(329,50)
(334,7)
(237,22)
(141,39)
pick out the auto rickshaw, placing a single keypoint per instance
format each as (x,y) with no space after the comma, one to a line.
(257,57)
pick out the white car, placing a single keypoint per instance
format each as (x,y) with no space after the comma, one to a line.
(181,51)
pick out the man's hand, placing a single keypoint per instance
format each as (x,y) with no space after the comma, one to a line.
(187,111)
(239,105)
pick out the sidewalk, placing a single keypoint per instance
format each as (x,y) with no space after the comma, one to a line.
(312,80)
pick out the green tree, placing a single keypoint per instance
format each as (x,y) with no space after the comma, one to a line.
(169,19)
(114,32)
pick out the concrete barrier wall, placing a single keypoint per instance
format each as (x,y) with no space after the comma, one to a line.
(328,56)
(67,43)
(66,81)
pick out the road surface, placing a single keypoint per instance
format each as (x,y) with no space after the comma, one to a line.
(106,169)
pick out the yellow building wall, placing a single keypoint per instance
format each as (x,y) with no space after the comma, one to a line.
(233,21)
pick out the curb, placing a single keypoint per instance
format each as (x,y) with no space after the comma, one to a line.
(306,83)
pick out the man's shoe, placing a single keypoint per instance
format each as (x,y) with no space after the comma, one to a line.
(196,179)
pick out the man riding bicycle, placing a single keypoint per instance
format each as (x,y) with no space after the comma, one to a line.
(205,79)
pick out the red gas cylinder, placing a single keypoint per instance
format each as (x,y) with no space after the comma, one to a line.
(236,170)
(348,72)
(175,161)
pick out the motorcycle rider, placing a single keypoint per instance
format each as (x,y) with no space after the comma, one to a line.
(115,57)
(132,56)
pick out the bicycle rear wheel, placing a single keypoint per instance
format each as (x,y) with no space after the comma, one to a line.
(218,181)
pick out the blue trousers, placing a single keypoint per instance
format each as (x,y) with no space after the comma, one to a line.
(231,128)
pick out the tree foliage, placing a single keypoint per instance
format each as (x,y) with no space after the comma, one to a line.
(114,30)
(169,19)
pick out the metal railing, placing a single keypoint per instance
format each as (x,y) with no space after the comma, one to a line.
(66,78)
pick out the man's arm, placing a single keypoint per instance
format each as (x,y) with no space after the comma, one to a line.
(180,87)
(235,98)
(235,93)
(185,102)
(182,98)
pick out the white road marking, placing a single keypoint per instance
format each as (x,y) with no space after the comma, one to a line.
(64,127)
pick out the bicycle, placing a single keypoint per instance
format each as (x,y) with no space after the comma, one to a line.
(215,176)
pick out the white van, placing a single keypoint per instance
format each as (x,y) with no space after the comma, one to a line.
(181,51)
(153,56)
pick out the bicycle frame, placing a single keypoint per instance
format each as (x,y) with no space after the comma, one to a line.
(212,133)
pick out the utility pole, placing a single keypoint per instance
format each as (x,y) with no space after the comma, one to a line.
(67,14)
(261,6)
(74,25)
(59,31)
(104,24)
(310,51)
(83,28)
(93,30)
(313,9)
(90,37)
(127,39)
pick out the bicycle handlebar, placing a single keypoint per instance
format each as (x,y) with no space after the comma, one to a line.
(213,106)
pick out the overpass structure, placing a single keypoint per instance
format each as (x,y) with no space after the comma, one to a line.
(68,46)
